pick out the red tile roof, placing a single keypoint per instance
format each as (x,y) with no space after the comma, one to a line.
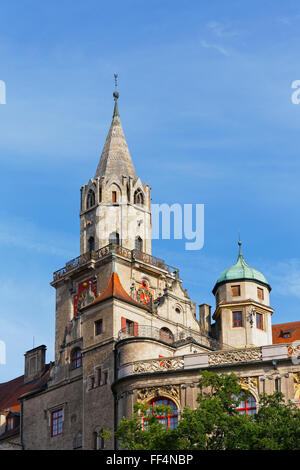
(282,330)
(12,390)
(115,289)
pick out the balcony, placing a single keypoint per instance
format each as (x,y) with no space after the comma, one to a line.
(165,335)
(108,250)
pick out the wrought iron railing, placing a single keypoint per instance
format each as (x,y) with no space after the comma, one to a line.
(134,255)
(163,334)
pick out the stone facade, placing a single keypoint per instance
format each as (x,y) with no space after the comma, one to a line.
(126,329)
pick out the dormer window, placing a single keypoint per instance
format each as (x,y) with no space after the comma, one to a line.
(235,291)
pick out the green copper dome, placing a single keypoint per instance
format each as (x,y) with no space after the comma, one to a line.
(241,270)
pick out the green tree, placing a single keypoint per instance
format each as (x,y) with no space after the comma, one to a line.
(215,424)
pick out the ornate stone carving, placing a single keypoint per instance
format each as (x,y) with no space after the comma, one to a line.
(155,365)
(249,383)
(296,376)
(235,356)
(168,391)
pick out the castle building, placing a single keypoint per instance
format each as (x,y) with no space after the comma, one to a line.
(126,329)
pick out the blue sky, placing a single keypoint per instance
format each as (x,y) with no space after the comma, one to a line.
(205,103)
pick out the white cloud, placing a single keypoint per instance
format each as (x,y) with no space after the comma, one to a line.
(217,47)
(221,30)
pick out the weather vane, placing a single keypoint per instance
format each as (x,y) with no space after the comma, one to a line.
(116,94)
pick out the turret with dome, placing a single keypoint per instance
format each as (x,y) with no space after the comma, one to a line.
(243,313)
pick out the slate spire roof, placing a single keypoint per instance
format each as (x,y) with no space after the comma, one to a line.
(115,158)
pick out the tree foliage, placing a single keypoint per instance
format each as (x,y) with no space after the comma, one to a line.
(215,424)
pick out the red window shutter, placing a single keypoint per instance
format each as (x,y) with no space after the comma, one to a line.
(123,324)
(136,329)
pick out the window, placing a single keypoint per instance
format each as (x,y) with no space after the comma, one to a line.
(259,321)
(90,202)
(139,244)
(91,244)
(98,377)
(171,419)
(114,237)
(166,335)
(114,196)
(237,319)
(138,197)
(247,405)
(105,377)
(129,327)
(235,291)
(10,423)
(98,327)
(98,440)
(56,422)
(76,359)
(260,293)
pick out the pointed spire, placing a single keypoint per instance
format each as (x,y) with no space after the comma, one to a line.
(115,158)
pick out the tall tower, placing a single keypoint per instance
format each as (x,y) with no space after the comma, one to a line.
(115,204)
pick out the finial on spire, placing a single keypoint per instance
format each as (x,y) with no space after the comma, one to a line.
(240,245)
(116,93)
(116,96)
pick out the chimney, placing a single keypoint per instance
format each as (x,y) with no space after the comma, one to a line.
(34,363)
(204,315)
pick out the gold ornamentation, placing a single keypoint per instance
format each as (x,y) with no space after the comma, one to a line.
(168,391)
(249,383)
(296,376)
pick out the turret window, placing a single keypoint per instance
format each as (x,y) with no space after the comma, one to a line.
(237,319)
(260,293)
(235,291)
(259,321)
(114,196)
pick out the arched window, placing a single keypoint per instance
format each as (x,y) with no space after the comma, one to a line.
(247,405)
(166,335)
(170,419)
(76,358)
(139,244)
(90,202)
(138,197)
(114,237)
(98,440)
(91,244)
